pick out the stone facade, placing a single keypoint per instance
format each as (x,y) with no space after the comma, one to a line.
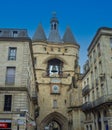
(58,109)
(97,82)
(17,80)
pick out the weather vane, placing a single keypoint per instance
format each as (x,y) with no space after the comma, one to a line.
(54,14)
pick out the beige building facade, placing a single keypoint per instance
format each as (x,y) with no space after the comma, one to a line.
(18,90)
(97,82)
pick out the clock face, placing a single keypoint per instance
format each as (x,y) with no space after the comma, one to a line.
(55,89)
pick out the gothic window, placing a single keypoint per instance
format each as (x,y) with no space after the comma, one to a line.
(54,67)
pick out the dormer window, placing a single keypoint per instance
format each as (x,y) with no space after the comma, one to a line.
(0,31)
(54,67)
(15,33)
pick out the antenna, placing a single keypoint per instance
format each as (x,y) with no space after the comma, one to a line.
(54,14)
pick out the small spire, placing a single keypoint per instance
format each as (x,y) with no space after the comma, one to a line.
(54,14)
(68,36)
(54,34)
(39,34)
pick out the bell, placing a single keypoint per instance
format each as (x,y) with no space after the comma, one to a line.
(54,69)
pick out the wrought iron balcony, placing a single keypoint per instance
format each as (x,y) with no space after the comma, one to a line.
(87,106)
(85,90)
(102,100)
(34,97)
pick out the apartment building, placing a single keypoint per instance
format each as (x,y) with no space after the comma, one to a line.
(18,89)
(97,82)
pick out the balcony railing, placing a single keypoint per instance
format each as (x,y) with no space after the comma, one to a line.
(102,100)
(87,106)
(85,90)
(60,75)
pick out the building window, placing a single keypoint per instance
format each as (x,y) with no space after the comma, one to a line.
(10,75)
(93,96)
(15,33)
(88,97)
(98,49)
(100,68)
(59,49)
(87,80)
(44,48)
(102,90)
(92,77)
(0,32)
(35,61)
(97,92)
(90,59)
(52,49)
(54,103)
(96,71)
(66,49)
(12,53)
(94,56)
(7,102)
(85,99)
(111,43)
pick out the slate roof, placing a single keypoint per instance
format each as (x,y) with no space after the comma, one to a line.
(54,37)
(39,34)
(68,36)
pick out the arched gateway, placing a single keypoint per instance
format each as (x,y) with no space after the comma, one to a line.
(54,121)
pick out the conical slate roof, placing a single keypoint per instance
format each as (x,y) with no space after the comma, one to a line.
(68,36)
(39,34)
(54,37)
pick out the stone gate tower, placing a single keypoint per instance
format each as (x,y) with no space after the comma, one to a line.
(56,65)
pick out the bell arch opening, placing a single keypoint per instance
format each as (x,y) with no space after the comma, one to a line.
(54,66)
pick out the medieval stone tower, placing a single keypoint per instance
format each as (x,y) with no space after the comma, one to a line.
(56,66)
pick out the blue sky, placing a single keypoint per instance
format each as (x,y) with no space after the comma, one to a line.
(83,16)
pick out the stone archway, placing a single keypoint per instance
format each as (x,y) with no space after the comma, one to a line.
(54,121)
